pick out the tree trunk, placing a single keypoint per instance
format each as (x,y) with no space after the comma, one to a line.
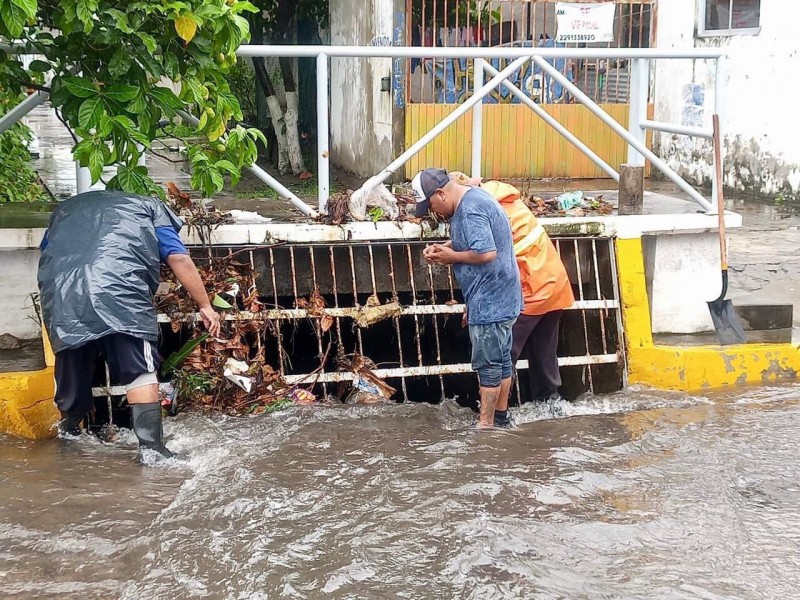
(276,113)
(291,118)
(284,34)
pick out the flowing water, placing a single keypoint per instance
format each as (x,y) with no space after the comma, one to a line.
(634,495)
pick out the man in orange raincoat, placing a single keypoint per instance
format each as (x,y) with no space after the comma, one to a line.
(545,287)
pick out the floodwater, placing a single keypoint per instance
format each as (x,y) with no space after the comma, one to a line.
(634,495)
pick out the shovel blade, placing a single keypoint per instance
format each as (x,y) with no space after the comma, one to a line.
(727,323)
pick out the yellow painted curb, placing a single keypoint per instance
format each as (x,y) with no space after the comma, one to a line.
(26,404)
(688,368)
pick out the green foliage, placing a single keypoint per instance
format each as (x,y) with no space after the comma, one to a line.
(110,59)
(243,85)
(180,131)
(18,181)
(188,384)
(176,359)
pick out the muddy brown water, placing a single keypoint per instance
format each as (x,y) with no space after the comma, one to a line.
(633,495)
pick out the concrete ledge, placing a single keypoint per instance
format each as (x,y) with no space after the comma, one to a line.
(254,233)
(26,404)
(688,368)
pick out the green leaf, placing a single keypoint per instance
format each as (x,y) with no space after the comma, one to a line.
(132,180)
(120,63)
(29,7)
(13,18)
(120,20)
(138,105)
(257,135)
(208,11)
(166,98)
(233,104)
(243,26)
(90,112)
(96,163)
(226,166)
(220,302)
(81,151)
(176,359)
(148,40)
(122,92)
(244,6)
(85,9)
(40,66)
(104,126)
(81,87)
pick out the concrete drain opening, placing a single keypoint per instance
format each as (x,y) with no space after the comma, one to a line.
(383,302)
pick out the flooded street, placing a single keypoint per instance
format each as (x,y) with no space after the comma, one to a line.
(636,495)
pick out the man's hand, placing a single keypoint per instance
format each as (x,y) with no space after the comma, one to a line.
(464,320)
(211,320)
(186,273)
(441,254)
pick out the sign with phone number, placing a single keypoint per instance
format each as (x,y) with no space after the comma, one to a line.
(585,23)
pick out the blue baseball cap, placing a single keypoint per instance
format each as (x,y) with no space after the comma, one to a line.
(425,184)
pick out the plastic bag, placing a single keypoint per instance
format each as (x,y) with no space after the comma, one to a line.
(378,197)
(570,200)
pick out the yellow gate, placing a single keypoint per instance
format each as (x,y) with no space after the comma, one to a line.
(516,143)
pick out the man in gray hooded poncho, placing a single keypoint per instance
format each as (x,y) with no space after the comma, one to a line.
(98,273)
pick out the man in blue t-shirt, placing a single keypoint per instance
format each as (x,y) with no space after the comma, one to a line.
(481,251)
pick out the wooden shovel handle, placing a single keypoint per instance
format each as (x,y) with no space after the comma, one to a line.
(723,243)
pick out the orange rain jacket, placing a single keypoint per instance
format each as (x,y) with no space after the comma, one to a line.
(545,284)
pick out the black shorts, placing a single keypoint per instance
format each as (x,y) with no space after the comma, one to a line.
(127,357)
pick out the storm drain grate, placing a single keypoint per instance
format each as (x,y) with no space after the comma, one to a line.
(419,347)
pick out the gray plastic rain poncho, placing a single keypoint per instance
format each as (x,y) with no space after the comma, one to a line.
(100,267)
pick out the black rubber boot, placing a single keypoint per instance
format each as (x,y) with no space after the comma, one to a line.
(70,424)
(146,420)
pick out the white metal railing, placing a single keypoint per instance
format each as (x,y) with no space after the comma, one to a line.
(634,135)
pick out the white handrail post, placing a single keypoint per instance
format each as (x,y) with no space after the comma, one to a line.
(637,113)
(323,135)
(477,119)
(719,108)
(83,178)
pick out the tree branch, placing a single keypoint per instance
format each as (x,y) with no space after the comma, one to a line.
(65,124)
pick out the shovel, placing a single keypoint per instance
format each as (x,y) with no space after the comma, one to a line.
(726,321)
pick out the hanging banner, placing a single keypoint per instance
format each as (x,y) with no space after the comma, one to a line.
(585,23)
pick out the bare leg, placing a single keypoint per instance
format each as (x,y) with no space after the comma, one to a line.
(505,392)
(489,397)
(143,395)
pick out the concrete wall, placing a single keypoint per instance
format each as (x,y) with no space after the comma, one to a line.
(18,274)
(682,274)
(362,139)
(762,153)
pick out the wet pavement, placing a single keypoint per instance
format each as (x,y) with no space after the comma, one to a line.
(634,495)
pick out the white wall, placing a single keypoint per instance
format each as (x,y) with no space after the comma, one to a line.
(759,124)
(18,273)
(361,114)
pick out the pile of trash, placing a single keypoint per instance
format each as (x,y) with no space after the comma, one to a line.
(569,204)
(228,374)
(377,204)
